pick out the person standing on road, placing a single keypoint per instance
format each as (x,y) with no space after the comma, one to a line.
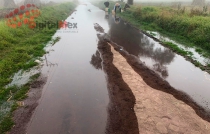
(107,10)
(117,5)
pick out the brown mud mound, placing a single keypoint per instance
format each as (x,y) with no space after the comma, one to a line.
(98,28)
(182,118)
(122,118)
(158,112)
(155,81)
(23,114)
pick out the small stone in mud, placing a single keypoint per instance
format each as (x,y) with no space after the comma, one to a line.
(37,61)
(20,103)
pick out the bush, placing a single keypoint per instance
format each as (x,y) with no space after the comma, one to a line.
(196,12)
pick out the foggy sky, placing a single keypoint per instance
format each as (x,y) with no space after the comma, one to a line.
(165,0)
(152,0)
(124,0)
(17,1)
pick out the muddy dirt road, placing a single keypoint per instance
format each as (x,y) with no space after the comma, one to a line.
(92,89)
(75,97)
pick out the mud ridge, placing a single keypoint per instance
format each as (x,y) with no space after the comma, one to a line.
(155,81)
(121,115)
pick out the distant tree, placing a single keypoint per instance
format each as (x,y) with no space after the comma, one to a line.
(198,2)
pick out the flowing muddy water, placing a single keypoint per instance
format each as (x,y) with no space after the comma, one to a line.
(75,97)
(180,73)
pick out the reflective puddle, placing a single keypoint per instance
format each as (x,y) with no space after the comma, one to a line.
(181,74)
(75,98)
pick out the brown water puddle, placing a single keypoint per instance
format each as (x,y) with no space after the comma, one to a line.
(180,73)
(75,97)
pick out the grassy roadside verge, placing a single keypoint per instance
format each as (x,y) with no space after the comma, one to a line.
(19,47)
(188,30)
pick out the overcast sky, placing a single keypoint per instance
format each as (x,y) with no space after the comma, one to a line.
(157,0)
(169,0)
(45,0)
(124,0)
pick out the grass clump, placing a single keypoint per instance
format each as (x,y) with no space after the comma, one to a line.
(177,49)
(6,124)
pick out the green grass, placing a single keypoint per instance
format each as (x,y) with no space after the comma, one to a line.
(19,47)
(190,30)
(20,93)
(176,49)
(6,124)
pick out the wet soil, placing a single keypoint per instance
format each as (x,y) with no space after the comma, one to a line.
(158,112)
(98,28)
(23,114)
(122,118)
(155,81)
